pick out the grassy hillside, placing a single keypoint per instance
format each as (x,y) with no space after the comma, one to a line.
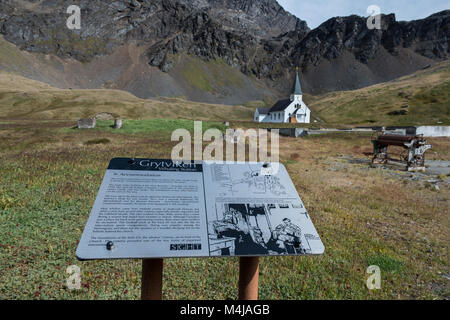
(28,99)
(209,76)
(420,98)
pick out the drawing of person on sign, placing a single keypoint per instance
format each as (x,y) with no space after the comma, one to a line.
(232,220)
(287,237)
(237,224)
(257,236)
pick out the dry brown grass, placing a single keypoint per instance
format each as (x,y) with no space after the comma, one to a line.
(423,95)
(364,215)
(22,98)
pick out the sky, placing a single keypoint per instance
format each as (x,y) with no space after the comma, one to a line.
(315,12)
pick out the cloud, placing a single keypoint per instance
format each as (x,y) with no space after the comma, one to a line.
(316,12)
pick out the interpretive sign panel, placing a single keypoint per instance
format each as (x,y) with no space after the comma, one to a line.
(150,208)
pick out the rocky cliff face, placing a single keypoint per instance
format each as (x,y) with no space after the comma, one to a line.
(39,26)
(262,19)
(428,37)
(255,36)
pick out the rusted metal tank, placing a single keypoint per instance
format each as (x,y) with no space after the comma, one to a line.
(416,147)
(394,140)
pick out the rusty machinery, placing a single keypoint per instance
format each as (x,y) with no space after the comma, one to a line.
(415,146)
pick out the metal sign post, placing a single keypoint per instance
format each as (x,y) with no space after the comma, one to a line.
(248,278)
(151,279)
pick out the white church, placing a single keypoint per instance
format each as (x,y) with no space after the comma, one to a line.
(292,110)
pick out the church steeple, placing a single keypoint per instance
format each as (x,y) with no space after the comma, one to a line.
(297,94)
(298,87)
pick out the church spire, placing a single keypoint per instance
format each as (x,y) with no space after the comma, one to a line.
(297,88)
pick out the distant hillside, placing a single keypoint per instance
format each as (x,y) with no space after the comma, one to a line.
(215,51)
(21,98)
(420,98)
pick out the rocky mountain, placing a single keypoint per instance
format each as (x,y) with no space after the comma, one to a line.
(227,51)
(262,19)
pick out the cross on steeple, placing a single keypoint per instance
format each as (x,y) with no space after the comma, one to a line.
(297,87)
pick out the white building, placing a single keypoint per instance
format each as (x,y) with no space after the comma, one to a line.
(292,110)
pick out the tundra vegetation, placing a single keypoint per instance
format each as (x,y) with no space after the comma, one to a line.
(50,174)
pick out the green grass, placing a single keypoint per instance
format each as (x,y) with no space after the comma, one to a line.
(386,262)
(151,126)
(50,178)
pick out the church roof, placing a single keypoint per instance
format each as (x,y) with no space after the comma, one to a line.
(280,105)
(297,86)
(263,110)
